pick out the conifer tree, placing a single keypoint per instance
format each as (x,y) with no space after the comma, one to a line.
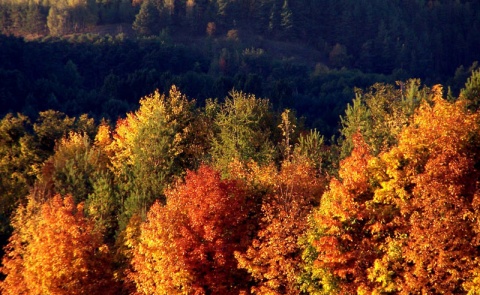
(147,19)
(274,19)
(287,20)
(380,113)
(471,91)
(152,146)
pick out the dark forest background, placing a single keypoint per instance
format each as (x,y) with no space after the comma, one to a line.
(100,57)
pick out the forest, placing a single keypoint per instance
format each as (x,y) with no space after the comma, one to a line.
(239,147)
(235,198)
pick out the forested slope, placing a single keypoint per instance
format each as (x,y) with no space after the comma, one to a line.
(105,76)
(422,37)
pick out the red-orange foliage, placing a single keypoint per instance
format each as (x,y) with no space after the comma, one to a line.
(55,250)
(274,258)
(187,246)
(406,221)
(343,247)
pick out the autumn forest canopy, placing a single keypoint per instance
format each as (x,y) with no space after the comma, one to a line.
(234,198)
(239,147)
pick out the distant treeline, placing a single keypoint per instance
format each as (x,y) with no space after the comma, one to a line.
(105,76)
(423,38)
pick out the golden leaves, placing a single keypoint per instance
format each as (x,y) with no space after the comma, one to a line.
(57,250)
(402,221)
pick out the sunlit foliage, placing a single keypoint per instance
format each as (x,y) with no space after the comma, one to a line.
(55,250)
(274,258)
(402,222)
(244,124)
(380,114)
(151,146)
(233,198)
(187,246)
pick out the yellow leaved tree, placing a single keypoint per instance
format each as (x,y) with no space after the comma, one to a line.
(55,249)
(151,146)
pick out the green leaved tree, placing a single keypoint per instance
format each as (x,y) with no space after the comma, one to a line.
(244,130)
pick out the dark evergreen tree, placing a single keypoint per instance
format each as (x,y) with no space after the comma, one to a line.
(146,21)
(35,21)
(274,21)
(287,21)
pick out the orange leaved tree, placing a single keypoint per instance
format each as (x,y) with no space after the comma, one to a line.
(274,257)
(187,246)
(404,222)
(432,178)
(55,250)
(338,249)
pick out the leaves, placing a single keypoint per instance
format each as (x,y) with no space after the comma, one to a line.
(399,216)
(439,157)
(244,130)
(380,114)
(403,221)
(159,134)
(273,258)
(187,246)
(18,162)
(55,250)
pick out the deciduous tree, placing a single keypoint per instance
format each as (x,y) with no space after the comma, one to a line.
(76,164)
(187,246)
(55,250)
(151,146)
(403,222)
(338,250)
(432,180)
(18,159)
(274,257)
